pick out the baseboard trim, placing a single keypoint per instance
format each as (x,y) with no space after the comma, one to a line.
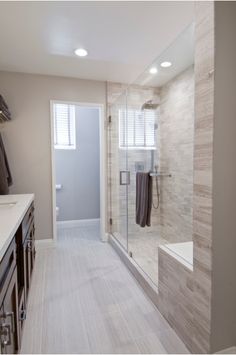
(78,223)
(105,237)
(44,243)
(231,350)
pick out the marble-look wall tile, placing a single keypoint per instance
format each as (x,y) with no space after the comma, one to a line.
(175,295)
(176,157)
(203,156)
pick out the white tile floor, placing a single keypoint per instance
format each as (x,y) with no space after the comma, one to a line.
(84,300)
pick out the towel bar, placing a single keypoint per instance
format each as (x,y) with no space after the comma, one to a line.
(160,174)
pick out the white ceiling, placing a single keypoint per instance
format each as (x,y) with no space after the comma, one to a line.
(180,53)
(122,37)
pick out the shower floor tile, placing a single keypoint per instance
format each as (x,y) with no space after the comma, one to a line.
(144,248)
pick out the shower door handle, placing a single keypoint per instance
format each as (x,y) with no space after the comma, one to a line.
(124,177)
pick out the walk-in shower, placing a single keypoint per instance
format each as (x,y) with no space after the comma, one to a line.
(151,131)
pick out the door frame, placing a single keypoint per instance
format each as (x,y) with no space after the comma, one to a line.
(102,149)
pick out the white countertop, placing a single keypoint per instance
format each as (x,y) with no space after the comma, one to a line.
(12,211)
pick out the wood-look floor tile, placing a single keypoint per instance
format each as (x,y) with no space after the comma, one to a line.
(84,300)
(172,343)
(150,344)
(109,334)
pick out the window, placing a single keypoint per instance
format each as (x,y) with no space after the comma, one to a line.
(137,129)
(64,126)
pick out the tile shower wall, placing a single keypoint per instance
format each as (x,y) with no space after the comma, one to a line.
(176,157)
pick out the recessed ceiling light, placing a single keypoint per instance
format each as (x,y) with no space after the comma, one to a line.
(153,70)
(81,52)
(166,64)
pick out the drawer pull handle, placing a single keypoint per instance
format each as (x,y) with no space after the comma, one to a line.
(22,315)
(29,245)
(5,333)
(11,314)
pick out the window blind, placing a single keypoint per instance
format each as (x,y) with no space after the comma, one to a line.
(137,129)
(64,126)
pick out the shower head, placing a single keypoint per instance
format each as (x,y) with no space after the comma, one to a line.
(149,105)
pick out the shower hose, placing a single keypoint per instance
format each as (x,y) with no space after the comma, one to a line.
(158,195)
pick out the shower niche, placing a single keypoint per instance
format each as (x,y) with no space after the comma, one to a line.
(151,131)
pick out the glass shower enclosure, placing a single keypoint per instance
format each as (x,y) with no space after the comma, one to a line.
(151,130)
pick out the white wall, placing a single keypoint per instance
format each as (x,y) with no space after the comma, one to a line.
(78,170)
(27,136)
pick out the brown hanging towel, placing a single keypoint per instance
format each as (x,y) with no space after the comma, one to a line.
(143,199)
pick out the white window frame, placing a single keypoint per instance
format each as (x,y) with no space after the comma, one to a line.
(103,163)
(121,132)
(71,123)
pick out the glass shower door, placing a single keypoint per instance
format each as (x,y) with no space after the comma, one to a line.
(118,170)
(143,157)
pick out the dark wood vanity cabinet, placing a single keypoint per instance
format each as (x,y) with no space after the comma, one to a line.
(15,278)
(25,238)
(9,324)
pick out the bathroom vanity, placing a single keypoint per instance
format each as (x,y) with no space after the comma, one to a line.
(17,256)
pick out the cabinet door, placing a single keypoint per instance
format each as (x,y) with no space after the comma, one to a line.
(3,331)
(29,258)
(30,252)
(33,251)
(9,321)
(26,267)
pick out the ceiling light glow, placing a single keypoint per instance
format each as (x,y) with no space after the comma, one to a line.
(153,70)
(81,52)
(166,64)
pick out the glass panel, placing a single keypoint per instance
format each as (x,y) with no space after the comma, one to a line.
(163,132)
(119,177)
(142,242)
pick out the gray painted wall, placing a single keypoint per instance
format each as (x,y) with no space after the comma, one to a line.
(224,178)
(27,136)
(78,170)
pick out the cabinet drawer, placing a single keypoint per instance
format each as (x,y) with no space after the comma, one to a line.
(7,267)
(27,221)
